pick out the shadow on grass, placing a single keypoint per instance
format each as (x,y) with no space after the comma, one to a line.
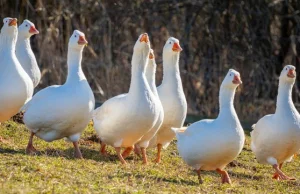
(88,154)
(163,179)
(249,176)
(11,151)
(68,153)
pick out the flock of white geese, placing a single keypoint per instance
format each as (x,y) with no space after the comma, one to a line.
(145,117)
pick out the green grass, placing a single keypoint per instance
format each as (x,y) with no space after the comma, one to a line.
(54,170)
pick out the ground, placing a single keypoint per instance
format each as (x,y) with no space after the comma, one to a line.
(54,170)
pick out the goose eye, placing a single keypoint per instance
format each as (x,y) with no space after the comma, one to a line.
(26,25)
(75,36)
(230,74)
(285,68)
(169,42)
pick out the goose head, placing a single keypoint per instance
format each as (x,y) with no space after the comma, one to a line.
(151,58)
(172,46)
(151,55)
(142,44)
(27,29)
(288,74)
(10,26)
(232,79)
(151,67)
(77,40)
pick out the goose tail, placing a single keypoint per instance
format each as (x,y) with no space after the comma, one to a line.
(179,132)
(253,127)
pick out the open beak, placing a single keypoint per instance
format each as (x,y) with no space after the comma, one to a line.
(82,40)
(291,73)
(176,47)
(33,30)
(13,22)
(237,80)
(151,56)
(144,38)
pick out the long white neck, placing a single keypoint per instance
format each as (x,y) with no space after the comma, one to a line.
(171,70)
(138,65)
(23,43)
(226,97)
(7,43)
(284,98)
(150,76)
(75,72)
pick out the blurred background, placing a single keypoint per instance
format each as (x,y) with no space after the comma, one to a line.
(255,37)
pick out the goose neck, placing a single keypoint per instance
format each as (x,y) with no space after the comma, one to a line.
(284,98)
(7,43)
(226,98)
(23,43)
(75,72)
(171,66)
(138,65)
(150,76)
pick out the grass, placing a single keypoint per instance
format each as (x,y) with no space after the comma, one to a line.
(54,170)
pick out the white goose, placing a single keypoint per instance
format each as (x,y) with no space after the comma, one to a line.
(62,110)
(276,138)
(24,52)
(123,120)
(150,75)
(171,96)
(15,85)
(195,143)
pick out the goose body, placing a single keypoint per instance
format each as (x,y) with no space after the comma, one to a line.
(143,143)
(63,110)
(15,85)
(24,52)
(212,144)
(123,120)
(171,95)
(276,137)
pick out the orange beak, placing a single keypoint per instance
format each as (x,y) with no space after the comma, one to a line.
(237,80)
(82,40)
(144,38)
(291,73)
(13,22)
(151,56)
(33,30)
(176,47)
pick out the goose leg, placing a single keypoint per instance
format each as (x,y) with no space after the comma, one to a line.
(199,176)
(145,160)
(158,157)
(30,148)
(102,149)
(137,151)
(279,175)
(77,152)
(224,176)
(118,150)
(276,175)
(127,151)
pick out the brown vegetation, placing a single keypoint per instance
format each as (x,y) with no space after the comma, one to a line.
(255,37)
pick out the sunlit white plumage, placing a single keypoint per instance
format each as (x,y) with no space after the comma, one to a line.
(276,137)
(211,144)
(63,110)
(123,120)
(15,85)
(24,52)
(150,76)
(171,96)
